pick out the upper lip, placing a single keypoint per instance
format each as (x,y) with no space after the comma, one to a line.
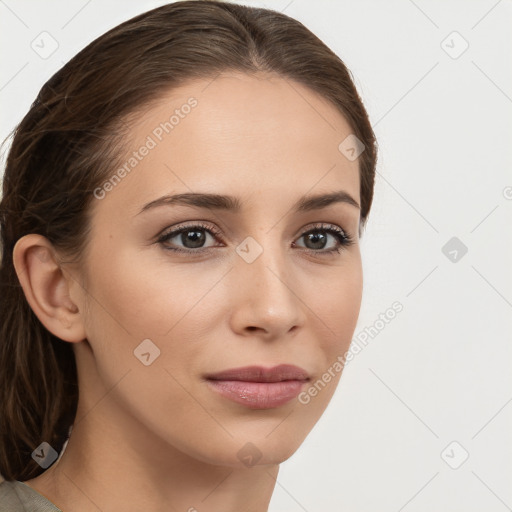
(262,374)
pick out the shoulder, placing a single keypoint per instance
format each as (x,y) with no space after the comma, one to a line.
(9,500)
(16,496)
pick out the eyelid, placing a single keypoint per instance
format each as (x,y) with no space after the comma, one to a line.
(347,238)
(218,232)
(346,241)
(323,225)
(175,230)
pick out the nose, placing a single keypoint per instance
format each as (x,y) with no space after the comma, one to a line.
(265,296)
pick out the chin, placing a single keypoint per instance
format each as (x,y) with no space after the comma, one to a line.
(250,450)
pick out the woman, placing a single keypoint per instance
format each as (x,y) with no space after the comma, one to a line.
(181,269)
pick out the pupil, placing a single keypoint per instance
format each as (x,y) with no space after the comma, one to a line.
(196,241)
(315,237)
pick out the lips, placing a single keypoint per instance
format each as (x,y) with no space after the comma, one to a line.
(257,387)
(261,374)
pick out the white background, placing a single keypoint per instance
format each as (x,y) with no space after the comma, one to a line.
(440,371)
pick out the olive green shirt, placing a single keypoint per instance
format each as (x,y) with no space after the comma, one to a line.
(16,496)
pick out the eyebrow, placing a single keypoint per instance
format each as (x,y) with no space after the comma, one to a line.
(233,204)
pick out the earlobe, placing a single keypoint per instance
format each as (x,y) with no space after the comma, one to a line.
(46,288)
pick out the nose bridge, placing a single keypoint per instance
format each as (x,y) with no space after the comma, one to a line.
(269,273)
(263,294)
(264,260)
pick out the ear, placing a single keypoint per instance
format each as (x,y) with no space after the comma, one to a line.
(46,288)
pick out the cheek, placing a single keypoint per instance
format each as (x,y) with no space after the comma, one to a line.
(138,298)
(131,301)
(339,303)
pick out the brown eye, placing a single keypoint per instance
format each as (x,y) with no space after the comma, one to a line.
(192,238)
(316,239)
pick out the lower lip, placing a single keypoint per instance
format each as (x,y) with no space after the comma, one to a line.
(258,395)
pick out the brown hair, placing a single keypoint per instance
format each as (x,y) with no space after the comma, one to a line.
(69,142)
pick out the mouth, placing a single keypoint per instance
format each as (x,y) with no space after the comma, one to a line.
(257,387)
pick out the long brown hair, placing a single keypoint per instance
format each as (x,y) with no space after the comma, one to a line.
(70,141)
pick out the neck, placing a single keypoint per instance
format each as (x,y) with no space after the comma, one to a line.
(102,465)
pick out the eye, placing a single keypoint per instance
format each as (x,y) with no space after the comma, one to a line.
(193,238)
(317,240)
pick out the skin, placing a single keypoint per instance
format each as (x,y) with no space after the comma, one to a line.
(157,437)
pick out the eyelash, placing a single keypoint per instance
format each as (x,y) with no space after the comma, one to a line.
(342,236)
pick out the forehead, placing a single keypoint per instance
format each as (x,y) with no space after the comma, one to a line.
(245,135)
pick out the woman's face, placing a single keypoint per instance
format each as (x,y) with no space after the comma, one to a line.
(249,287)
